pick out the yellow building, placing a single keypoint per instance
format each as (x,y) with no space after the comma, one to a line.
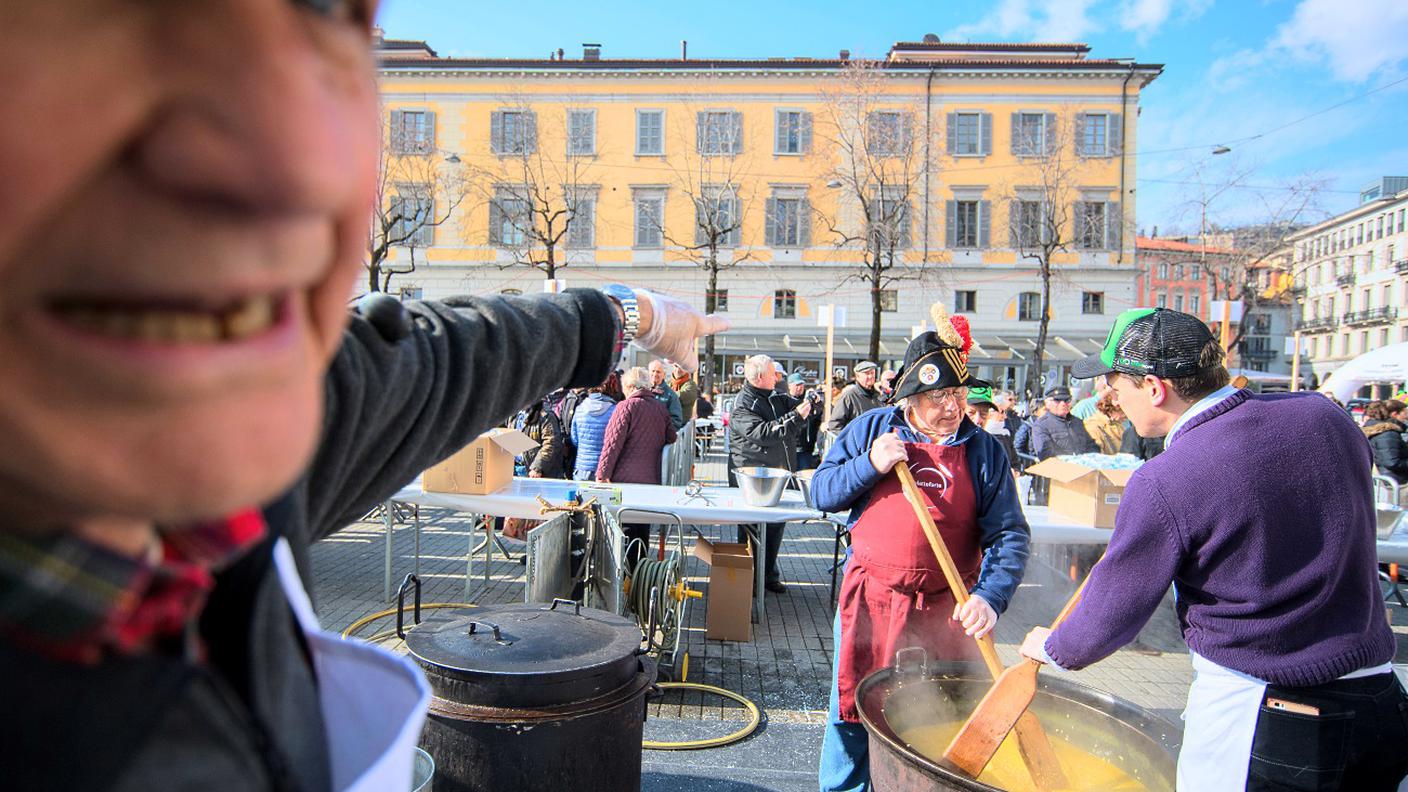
(942,162)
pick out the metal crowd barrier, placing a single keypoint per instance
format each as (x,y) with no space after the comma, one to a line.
(677,463)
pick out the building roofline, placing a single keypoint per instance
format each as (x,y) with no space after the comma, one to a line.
(393,63)
(997,46)
(1174,246)
(1347,215)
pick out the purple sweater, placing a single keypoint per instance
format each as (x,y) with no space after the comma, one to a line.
(1260,514)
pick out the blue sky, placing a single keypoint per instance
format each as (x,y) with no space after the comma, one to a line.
(1242,73)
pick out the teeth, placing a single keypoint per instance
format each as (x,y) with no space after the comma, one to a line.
(253,317)
(249,318)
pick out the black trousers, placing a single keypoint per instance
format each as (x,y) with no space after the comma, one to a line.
(770,571)
(1357,741)
(634,552)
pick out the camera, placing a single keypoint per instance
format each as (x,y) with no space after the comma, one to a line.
(814,396)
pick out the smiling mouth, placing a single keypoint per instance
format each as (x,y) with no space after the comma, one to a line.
(171,324)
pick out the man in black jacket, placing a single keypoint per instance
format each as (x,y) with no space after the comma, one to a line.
(1057,432)
(186,406)
(763,430)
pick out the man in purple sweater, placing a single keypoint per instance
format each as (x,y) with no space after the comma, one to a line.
(1259,514)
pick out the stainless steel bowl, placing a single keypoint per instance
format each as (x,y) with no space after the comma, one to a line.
(762,486)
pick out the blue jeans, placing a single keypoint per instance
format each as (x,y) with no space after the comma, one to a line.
(845,748)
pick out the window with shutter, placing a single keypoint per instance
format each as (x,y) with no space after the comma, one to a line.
(1114,226)
(721,300)
(719,132)
(716,218)
(412,131)
(1029,134)
(513,132)
(581,232)
(650,132)
(889,223)
(965,227)
(985,133)
(509,219)
(1090,225)
(581,132)
(1092,302)
(889,300)
(1027,224)
(887,133)
(793,133)
(965,301)
(1092,134)
(650,218)
(967,134)
(413,215)
(786,222)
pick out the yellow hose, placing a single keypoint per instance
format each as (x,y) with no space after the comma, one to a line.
(755,717)
(365,620)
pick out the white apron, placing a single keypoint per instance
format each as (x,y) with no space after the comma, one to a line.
(373,702)
(1219,724)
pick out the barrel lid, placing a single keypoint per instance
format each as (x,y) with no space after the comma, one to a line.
(525,642)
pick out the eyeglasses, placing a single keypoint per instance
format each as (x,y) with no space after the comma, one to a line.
(953,395)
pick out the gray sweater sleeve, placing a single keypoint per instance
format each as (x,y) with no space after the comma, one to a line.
(393,409)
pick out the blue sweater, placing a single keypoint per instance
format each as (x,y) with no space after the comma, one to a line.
(844,480)
(1260,514)
(589,429)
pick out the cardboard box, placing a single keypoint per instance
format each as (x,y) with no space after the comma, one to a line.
(482,467)
(1083,494)
(730,602)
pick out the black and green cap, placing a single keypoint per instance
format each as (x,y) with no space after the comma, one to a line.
(1155,341)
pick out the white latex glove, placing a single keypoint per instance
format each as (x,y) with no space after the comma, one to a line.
(672,328)
(976,615)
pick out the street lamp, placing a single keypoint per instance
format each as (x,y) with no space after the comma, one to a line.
(1220,150)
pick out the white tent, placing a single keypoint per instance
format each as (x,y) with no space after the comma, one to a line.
(1386,364)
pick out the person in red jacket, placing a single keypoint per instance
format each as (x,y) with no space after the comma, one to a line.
(636,437)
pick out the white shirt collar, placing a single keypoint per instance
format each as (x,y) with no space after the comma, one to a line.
(1203,405)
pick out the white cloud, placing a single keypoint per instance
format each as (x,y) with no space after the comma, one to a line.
(1053,20)
(1357,38)
(1145,18)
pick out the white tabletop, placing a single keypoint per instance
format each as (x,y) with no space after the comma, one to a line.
(724,505)
(1048,528)
(1394,550)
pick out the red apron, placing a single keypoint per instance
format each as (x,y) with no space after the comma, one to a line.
(894,594)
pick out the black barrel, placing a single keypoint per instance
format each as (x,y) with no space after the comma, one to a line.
(530,697)
(892,701)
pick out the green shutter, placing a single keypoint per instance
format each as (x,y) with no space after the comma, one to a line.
(1114,132)
(782,122)
(1078,132)
(398,132)
(985,134)
(1049,145)
(805,119)
(735,125)
(1017,134)
(984,209)
(950,223)
(429,144)
(952,133)
(1114,225)
(496,132)
(804,223)
(770,224)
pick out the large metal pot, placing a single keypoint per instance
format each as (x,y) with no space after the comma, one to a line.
(894,700)
(533,697)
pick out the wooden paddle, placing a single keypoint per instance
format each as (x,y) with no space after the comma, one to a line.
(1003,706)
(1032,741)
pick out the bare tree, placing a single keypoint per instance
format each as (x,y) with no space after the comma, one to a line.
(1267,216)
(711,176)
(417,190)
(535,185)
(878,166)
(1048,215)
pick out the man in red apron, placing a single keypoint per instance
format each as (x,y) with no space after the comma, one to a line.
(894,594)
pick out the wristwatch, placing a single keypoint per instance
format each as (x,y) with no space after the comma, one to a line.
(626,298)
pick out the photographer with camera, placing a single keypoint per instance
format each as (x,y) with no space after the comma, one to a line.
(805,453)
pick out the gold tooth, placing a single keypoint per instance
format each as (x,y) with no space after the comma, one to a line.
(253,316)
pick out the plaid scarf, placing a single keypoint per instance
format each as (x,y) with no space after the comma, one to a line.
(75,600)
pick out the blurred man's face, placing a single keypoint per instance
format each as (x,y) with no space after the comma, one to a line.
(1059,407)
(182,220)
(796,389)
(657,372)
(866,379)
